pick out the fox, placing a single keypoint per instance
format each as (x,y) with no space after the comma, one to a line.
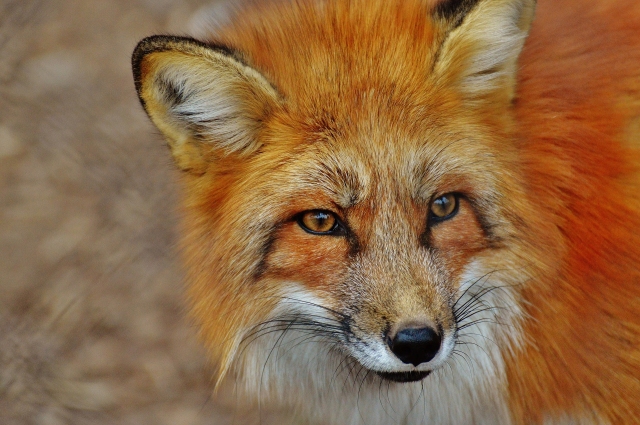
(411,212)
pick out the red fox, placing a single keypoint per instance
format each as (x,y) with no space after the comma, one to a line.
(413,212)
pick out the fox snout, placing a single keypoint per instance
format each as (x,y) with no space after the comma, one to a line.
(396,345)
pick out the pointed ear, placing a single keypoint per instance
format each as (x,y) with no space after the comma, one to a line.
(203,98)
(484,38)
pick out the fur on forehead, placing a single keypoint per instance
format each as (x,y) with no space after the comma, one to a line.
(351,167)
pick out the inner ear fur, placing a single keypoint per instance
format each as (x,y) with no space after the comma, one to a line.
(482,44)
(203,98)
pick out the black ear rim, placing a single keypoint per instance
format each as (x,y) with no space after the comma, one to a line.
(455,10)
(163,43)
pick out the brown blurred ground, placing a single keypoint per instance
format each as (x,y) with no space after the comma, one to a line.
(91,323)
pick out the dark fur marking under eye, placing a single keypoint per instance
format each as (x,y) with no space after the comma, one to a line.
(493,240)
(265,250)
(354,244)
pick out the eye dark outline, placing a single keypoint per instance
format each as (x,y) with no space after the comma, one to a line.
(434,219)
(338,228)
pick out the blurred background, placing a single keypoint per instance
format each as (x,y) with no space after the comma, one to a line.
(92,329)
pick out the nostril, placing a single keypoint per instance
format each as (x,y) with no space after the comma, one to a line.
(415,345)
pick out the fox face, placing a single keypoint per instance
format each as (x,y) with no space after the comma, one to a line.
(355,201)
(355,204)
(384,257)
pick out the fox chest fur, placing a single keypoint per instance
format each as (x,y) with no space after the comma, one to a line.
(412,212)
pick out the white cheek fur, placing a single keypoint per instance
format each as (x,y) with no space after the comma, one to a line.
(308,370)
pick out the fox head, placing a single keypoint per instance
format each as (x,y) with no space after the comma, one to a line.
(350,176)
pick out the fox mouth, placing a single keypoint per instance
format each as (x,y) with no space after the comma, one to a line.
(411,376)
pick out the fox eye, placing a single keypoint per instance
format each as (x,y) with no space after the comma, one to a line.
(319,222)
(443,207)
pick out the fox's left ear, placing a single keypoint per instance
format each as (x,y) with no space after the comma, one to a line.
(482,42)
(205,100)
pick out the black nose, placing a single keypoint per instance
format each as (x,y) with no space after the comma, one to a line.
(415,345)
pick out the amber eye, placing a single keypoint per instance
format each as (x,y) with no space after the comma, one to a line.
(444,207)
(319,222)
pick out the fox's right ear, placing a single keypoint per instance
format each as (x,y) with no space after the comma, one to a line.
(203,98)
(480,50)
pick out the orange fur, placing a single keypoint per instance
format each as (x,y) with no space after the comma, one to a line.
(578,73)
(367,109)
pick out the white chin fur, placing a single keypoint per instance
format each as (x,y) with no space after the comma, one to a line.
(310,372)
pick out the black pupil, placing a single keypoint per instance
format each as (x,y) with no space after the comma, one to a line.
(321,219)
(442,205)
